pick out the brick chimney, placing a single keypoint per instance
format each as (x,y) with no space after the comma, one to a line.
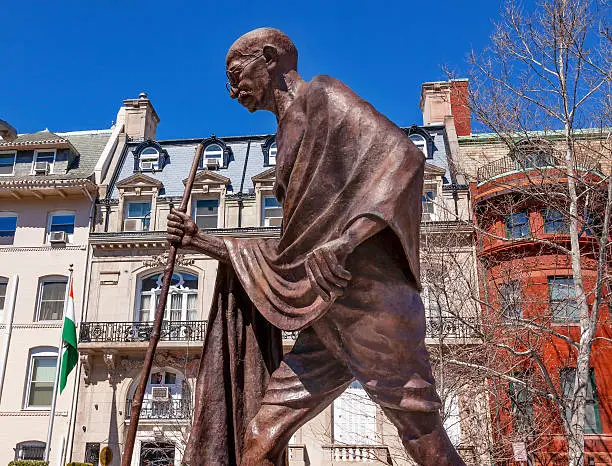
(442,99)
(138,117)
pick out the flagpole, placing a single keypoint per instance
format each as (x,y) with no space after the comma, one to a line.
(57,369)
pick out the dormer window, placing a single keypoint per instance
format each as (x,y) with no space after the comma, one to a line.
(420,142)
(149,159)
(272,154)
(212,153)
(44,162)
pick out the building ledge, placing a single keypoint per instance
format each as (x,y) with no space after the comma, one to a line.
(357,454)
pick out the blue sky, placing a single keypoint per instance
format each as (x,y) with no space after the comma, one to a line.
(67,65)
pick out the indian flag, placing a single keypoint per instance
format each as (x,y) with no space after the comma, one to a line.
(70,356)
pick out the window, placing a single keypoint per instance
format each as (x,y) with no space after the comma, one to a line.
(149,159)
(521,403)
(30,451)
(41,378)
(429,208)
(138,216)
(163,378)
(420,142)
(510,300)
(61,221)
(206,213)
(452,417)
(272,154)
(554,222)
(517,225)
(3,286)
(7,163)
(182,301)
(354,417)
(592,224)
(8,226)
(51,298)
(214,151)
(41,158)
(592,421)
(272,212)
(563,299)
(92,453)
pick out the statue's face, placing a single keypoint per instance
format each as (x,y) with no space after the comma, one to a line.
(249,81)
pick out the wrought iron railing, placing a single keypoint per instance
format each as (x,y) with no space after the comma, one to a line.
(100,332)
(451,327)
(512,163)
(170,409)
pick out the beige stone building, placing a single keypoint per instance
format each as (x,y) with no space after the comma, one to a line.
(47,194)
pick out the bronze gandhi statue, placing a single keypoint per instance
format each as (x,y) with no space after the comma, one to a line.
(344,272)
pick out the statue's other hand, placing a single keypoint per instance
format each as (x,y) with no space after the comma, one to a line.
(325,269)
(181,229)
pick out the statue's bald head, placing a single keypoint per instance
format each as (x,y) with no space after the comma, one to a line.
(255,41)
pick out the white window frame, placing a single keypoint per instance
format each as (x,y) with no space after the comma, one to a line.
(4,281)
(265,221)
(50,220)
(272,151)
(11,215)
(51,165)
(41,282)
(14,153)
(214,154)
(362,421)
(37,353)
(421,143)
(195,207)
(173,290)
(428,188)
(149,158)
(126,213)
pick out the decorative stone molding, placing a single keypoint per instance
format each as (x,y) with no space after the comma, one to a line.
(162,259)
(86,364)
(27,413)
(68,247)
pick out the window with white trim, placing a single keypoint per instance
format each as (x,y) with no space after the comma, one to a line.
(149,159)
(428,200)
(7,163)
(420,142)
(44,157)
(137,216)
(62,220)
(271,212)
(562,296)
(3,289)
(354,417)
(8,227)
(272,154)
(214,151)
(51,295)
(182,300)
(41,376)
(206,213)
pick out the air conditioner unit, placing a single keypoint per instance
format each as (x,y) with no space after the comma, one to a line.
(147,165)
(273,221)
(132,224)
(41,168)
(212,164)
(160,393)
(58,237)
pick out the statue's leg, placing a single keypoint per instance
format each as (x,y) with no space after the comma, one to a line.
(424,437)
(307,381)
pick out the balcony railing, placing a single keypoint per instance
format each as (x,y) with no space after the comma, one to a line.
(511,164)
(451,327)
(171,409)
(358,454)
(101,332)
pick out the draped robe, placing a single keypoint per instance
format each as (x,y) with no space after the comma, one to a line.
(338,160)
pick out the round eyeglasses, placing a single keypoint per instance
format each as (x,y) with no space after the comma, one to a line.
(234,73)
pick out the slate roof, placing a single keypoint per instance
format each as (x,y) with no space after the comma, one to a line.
(239,169)
(32,139)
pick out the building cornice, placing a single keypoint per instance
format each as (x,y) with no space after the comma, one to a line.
(68,247)
(46,183)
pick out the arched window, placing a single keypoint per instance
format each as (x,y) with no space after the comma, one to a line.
(420,142)
(41,375)
(167,395)
(214,151)
(30,450)
(182,300)
(149,159)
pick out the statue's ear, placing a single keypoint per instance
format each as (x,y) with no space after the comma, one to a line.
(270,53)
